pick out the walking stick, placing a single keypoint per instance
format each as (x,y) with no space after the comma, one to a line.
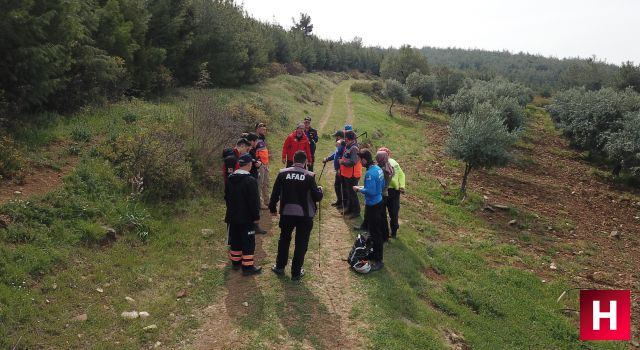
(322,172)
(319,231)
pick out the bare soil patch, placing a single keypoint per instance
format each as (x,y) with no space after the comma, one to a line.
(571,211)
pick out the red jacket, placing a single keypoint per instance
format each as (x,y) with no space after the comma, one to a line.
(292,145)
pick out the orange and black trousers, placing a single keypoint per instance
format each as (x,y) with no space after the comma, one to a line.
(242,241)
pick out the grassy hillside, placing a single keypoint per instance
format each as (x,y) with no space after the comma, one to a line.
(56,259)
(455,278)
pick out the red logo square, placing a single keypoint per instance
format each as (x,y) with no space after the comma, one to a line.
(605,315)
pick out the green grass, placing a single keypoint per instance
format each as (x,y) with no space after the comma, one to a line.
(477,293)
(448,272)
(52,258)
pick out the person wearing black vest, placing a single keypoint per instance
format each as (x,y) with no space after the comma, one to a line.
(243,214)
(296,190)
(312,135)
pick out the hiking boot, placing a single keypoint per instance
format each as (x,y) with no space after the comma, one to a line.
(352,215)
(251,270)
(377,265)
(236,267)
(260,230)
(276,270)
(298,277)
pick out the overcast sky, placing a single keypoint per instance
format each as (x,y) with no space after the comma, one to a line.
(609,29)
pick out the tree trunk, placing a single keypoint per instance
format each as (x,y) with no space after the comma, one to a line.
(616,169)
(467,170)
(418,106)
(392,102)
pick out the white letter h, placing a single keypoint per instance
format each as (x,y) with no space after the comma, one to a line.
(598,315)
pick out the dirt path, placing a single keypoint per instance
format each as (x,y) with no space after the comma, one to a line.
(350,115)
(326,296)
(327,113)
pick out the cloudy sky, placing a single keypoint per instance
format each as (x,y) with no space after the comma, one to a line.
(609,29)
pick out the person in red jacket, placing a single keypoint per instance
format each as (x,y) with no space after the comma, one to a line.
(296,141)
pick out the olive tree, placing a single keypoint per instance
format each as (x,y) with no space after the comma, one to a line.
(588,118)
(507,97)
(423,87)
(394,91)
(623,146)
(480,139)
(399,64)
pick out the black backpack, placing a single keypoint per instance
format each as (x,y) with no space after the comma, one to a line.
(361,250)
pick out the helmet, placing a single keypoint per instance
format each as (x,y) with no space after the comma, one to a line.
(362,266)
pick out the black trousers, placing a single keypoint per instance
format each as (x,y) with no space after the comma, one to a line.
(303,226)
(289,163)
(242,238)
(374,226)
(393,206)
(350,200)
(310,166)
(338,188)
(384,220)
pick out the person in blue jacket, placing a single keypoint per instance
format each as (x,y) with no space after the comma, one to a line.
(335,157)
(372,191)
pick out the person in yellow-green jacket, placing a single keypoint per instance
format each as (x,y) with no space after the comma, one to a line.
(396,187)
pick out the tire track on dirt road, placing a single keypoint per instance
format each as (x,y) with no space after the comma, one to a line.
(327,295)
(336,286)
(350,115)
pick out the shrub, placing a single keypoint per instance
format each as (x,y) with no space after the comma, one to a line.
(204,77)
(158,156)
(81,133)
(216,127)
(295,68)
(588,118)
(272,70)
(130,117)
(623,146)
(480,139)
(10,158)
(364,87)
(509,98)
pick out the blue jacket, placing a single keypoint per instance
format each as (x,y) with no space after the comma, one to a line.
(373,184)
(336,156)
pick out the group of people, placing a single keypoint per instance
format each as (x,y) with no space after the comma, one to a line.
(384,180)
(295,193)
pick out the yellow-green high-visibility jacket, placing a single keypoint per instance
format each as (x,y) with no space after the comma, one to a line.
(398,180)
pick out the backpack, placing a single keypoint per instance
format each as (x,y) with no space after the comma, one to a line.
(361,250)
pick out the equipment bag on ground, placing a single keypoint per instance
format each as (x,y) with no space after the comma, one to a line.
(359,255)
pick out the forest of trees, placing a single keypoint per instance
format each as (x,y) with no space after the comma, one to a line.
(543,74)
(60,55)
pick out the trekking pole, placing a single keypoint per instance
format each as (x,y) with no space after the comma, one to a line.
(364,133)
(319,231)
(322,172)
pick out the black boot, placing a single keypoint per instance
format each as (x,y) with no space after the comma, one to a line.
(299,276)
(377,265)
(277,270)
(251,270)
(260,230)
